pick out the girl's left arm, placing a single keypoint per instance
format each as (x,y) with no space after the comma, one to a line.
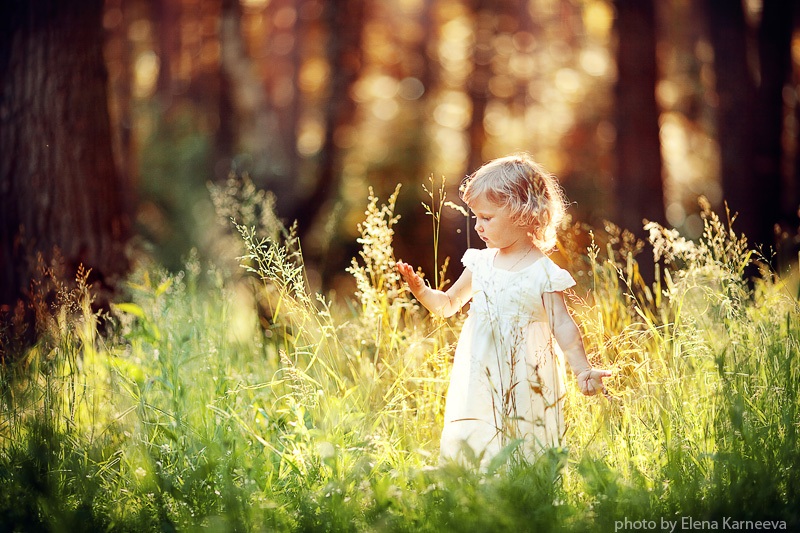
(568,336)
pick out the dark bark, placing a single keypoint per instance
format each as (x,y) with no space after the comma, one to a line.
(792,198)
(638,187)
(59,188)
(735,94)
(750,118)
(774,57)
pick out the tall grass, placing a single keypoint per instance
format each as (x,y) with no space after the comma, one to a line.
(245,402)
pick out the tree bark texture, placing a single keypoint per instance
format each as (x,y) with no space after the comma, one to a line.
(59,188)
(639,191)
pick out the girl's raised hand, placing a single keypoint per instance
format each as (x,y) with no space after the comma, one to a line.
(590,381)
(413,279)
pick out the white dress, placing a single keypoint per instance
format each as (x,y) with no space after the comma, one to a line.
(508,375)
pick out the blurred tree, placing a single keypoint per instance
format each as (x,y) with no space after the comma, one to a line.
(344,20)
(735,93)
(638,191)
(59,188)
(750,116)
(167,17)
(116,21)
(793,179)
(292,20)
(775,72)
(484,28)
(231,50)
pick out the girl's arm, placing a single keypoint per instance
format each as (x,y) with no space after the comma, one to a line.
(568,336)
(438,302)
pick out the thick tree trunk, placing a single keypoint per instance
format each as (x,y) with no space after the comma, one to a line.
(59,188)
(792,196)
(638,185)
(750,118)
(639,191)
(774,57)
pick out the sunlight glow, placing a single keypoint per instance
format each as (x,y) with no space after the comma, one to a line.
(667,93)
(145,74)
(691,168)
(522,65)
(568,82)
(676,214)
(385,109)
(254,4)
(497,119)
(796,48)
(411,89)
(453,146)
(373,86)
(595,61)
(502,86)
(453,49)
(313,75)
(598,18)
(453,112)
(309,138)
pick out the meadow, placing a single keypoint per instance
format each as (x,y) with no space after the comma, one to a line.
(227,398)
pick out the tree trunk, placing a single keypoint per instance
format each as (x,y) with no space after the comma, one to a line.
(478,82)
(285,104)
(792,197)
(118,52)
(639,191)
(59,188)
(774,56)
(166,15)
(344,24)
(735,94)
(231,53)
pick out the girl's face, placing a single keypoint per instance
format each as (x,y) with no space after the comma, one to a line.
(495,227)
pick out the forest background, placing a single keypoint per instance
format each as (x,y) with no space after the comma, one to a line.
(639,107)
(148,383)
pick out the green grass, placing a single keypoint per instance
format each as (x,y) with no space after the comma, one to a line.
(237,400)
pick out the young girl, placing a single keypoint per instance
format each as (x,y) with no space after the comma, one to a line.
(508,375)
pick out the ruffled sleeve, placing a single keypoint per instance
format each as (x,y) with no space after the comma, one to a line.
(556,279)
(470,258)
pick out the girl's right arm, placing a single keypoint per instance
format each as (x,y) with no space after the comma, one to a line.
(438,302)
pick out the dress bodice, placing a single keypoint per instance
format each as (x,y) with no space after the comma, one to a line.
(513,297)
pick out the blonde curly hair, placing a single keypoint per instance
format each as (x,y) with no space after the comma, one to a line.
(532,195)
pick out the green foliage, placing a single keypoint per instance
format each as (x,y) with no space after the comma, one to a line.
(246,403)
